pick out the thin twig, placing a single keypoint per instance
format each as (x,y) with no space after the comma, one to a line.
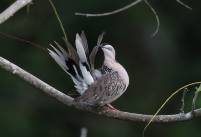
(194,100)
(23,40)
(111,12)
(183,100)
(156,17)
(183,4)
(10,11)
(167,100)
(129,6)
(134,3)
(67,100)
(59,20)
(198,90)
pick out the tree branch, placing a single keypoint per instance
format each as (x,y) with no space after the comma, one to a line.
(67,100)
(10,11)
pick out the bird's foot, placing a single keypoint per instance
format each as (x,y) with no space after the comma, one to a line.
(110,107)
(107,108)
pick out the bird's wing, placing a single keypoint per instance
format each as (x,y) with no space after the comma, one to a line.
(80,49)
(83,62)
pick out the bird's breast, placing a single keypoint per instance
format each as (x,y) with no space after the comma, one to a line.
(115,66)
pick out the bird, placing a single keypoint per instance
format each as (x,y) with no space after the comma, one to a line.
(97,87)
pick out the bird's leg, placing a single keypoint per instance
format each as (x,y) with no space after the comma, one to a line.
(110,106)
(106,108)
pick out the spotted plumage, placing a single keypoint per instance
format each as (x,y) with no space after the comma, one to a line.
(104,69)
(103,91)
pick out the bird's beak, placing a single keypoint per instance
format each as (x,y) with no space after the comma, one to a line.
(101,46)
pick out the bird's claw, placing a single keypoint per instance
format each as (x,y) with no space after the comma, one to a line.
(106,108)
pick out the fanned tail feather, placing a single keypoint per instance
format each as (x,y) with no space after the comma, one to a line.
(82,47)
(85,43)
(75,64)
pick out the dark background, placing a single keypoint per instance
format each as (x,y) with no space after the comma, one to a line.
(156,66)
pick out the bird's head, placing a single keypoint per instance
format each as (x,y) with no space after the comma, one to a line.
(108,50)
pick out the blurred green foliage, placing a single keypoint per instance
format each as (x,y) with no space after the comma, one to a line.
(157,66)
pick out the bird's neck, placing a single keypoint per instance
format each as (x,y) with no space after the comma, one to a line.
(113,65)
(108,61)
